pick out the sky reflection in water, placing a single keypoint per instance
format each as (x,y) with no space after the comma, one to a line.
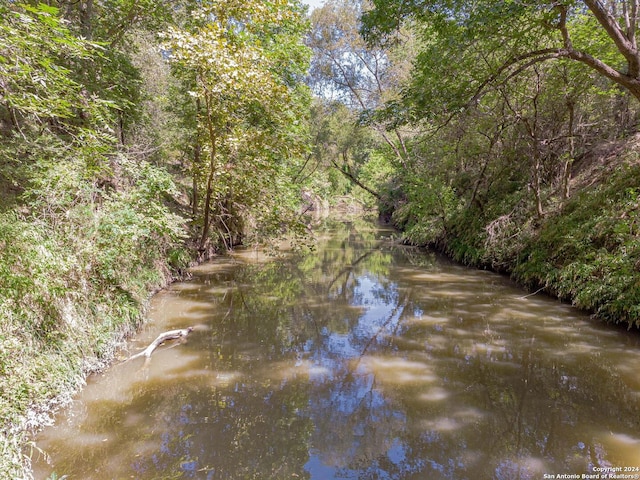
(362,360)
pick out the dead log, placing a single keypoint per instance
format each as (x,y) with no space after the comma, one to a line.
(179,334)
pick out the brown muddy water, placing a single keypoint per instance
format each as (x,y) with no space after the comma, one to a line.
(361,360)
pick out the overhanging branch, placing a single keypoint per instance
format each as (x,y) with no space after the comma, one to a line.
(347,173)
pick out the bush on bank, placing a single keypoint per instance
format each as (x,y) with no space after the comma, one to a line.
(585,251)
(589,253)
(74,278)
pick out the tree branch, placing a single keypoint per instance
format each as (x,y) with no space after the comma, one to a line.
(537,56)
(347,173)
(162,338)
(625,45)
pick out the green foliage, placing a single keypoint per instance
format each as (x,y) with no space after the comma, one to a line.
(85,230)
(355,121)
(348,151)
(508,37)
(35,80)
(249,106)
(501,132)
(344,67)
(135,229)
(376,172)
(586,253)
(74,282)
(91,219)
(430,204)
(488,176)
(77,276)
(590,254)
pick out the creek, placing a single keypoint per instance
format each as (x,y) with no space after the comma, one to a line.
(361,360)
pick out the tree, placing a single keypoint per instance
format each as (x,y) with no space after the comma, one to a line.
(35,83)
(46,114)
(361,76)
(600,35)
(487,63)
(243,62)
(341,143)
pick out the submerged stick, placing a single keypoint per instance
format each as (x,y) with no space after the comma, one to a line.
(163,337)
(532,294)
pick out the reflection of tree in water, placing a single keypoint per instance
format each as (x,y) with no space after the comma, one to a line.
(251,425)
(249,432)
(328,310)
(501,411)
(366,360)
(507,408)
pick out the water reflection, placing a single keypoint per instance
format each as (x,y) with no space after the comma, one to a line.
(363,360)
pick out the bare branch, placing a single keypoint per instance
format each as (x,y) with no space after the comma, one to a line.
(162,338)
(624,44)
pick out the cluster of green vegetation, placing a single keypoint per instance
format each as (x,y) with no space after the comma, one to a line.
(502,133)
(135,138)
(590,253)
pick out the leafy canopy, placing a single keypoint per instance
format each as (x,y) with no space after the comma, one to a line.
(516,34)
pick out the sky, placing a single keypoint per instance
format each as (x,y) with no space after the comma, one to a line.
(313,3)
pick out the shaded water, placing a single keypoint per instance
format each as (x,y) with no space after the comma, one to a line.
(363,360)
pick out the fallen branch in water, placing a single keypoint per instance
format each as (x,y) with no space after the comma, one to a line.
(532,294)
(163,337)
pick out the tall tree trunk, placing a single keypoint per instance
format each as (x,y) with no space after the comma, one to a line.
(566,168)
(86,17)
(194,180)
(195,167)
(534,133)
(206,223)
(537,182)
(121,135)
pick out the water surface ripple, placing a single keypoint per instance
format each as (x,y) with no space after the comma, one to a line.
(361,360)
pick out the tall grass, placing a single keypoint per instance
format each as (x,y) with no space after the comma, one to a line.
(75,272)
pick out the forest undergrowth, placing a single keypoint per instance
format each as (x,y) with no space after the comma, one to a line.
(585,250)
